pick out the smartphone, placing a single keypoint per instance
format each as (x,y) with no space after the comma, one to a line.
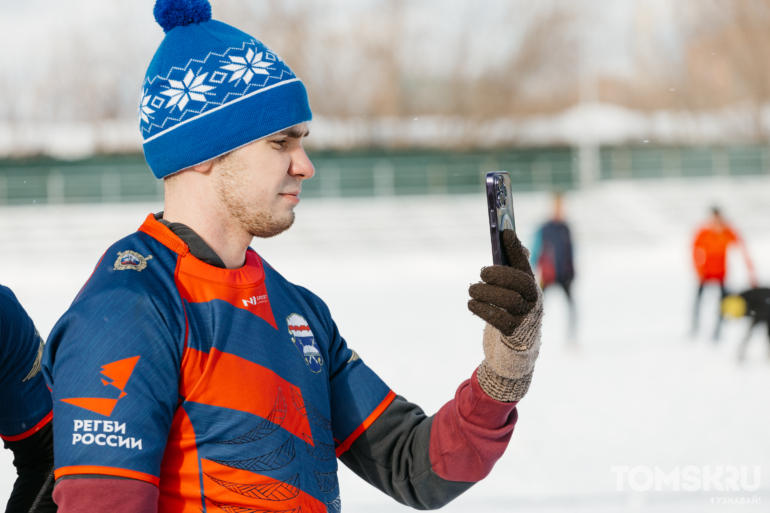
(500,207)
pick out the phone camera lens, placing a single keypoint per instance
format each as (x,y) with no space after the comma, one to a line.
(501,199)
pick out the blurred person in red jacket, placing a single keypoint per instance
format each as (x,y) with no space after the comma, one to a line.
(710,258)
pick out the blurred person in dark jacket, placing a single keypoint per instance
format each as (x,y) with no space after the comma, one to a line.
(552,257)
(753,303)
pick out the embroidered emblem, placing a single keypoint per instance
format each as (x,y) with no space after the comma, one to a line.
(303,338)
(354,356)
(131,260)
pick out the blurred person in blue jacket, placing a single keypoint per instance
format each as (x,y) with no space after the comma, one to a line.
(552,257)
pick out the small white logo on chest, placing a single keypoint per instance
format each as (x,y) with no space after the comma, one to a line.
(254,300)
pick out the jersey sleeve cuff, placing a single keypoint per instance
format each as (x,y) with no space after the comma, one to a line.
(37,427)
(106,471)
(366,423)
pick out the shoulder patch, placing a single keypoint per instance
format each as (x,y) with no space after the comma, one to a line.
(303,338)
(131,260)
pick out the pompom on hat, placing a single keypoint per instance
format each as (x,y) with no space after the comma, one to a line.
(180,13)
(211,89)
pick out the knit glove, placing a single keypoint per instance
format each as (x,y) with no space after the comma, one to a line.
(511,302)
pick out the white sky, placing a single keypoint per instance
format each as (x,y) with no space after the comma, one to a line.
(29,30)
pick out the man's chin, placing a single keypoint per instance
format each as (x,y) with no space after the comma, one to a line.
(267,227)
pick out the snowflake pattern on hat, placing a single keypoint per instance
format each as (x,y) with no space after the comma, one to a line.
(211,82)
(145,112)
(191,88)
(248,67)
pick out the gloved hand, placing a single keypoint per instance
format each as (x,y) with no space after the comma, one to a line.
(511,302)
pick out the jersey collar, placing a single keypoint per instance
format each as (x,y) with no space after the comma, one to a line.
(250,274)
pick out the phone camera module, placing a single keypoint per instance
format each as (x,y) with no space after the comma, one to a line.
(502,193)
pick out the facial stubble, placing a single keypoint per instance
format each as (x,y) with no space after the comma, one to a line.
(257,220)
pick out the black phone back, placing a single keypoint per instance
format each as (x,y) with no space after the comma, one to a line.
(500,209)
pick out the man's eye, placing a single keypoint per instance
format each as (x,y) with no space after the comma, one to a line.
(281,142)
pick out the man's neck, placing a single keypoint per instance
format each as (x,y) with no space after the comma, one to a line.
(717,227)
(228,240)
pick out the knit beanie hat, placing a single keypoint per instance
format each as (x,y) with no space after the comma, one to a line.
(211,89)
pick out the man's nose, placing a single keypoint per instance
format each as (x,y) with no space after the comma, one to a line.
(301,167)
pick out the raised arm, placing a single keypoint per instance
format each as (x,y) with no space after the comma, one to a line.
(426,462)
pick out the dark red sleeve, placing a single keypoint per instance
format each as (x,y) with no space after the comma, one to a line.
(470,433)
(426,462)
(83,495)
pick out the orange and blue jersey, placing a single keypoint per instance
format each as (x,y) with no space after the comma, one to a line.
(25,402)
(230,390)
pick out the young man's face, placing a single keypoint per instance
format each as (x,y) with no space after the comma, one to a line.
(260,182)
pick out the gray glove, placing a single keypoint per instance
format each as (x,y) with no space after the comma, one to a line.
(511,302)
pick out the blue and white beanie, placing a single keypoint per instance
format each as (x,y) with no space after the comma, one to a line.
(211,89)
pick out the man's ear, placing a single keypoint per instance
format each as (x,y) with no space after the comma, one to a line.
(203,167)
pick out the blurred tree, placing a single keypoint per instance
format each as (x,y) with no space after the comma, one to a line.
(714,55)
(368,61)
(728,57)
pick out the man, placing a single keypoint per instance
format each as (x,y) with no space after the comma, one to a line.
(710,258)
(25,409)
(189,375)
(552,256)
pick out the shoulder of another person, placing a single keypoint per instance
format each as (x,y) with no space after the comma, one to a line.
(9,304)
(16,327)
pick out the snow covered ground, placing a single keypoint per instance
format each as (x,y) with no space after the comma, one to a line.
(637,392)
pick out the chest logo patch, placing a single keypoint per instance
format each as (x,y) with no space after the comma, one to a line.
(131,260)
(303,338)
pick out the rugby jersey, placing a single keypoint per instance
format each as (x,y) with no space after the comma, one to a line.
(228,389)
(25,403)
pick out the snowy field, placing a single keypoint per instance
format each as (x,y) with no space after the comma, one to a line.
(637,391)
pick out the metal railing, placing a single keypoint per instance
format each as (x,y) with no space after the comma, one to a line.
(128,179)
(666,162)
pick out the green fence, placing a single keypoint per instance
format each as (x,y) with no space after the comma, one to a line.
(127,178)
(657,162)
